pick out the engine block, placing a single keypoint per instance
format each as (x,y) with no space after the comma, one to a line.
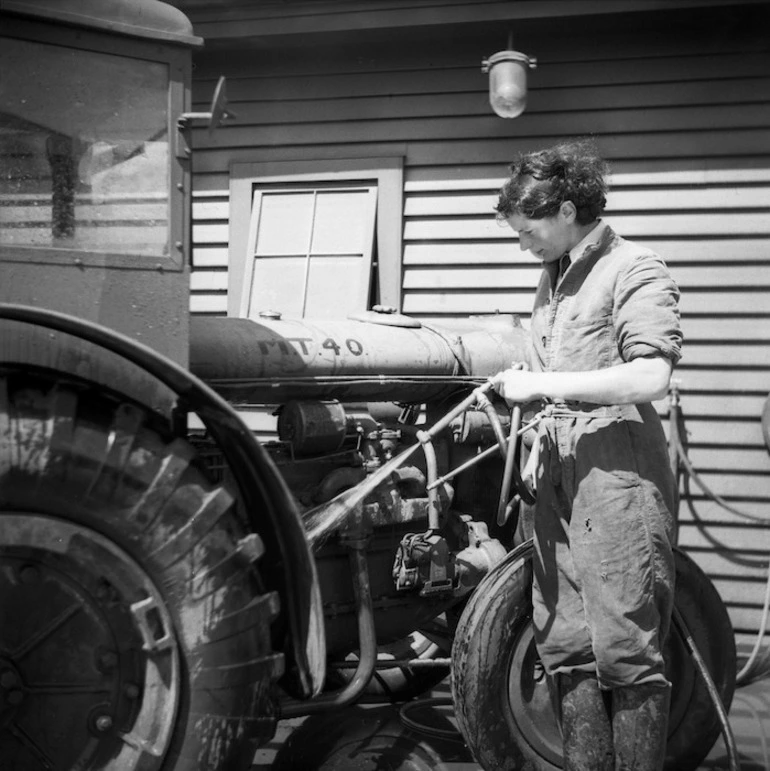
(352,395)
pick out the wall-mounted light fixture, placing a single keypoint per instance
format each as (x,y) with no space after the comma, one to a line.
(508,80)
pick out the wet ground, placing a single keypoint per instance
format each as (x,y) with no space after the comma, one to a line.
(424,738)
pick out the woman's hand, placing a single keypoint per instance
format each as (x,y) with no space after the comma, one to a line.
(517,384)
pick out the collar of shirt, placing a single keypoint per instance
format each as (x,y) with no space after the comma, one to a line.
(555,270)
(591,239)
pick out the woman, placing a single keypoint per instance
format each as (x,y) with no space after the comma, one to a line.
(605,335)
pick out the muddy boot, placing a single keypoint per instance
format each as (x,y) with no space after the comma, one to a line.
(585,724)
(640,727)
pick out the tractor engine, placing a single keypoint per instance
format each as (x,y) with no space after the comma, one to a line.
(349,397)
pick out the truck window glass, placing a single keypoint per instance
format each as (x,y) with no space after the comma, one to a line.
(85,151)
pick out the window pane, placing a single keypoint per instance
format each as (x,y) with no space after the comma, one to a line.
(285,219)
(84,142)
(277,285)
(340,222)
(336,286)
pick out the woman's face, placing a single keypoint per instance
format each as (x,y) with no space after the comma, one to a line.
(548,238)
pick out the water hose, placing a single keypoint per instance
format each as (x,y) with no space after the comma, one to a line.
(700,664)
(423,728)
(678,455)
(505,504)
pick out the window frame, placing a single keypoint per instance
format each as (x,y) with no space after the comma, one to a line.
(386,172)
(361,292)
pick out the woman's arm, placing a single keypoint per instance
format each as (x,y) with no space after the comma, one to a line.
(640,380)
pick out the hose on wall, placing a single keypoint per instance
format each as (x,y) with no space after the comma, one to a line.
(757,665)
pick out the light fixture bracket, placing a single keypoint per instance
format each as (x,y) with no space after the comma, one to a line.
(508,56)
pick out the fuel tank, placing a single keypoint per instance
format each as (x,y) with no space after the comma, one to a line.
(381,356)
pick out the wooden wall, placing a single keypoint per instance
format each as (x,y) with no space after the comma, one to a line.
(679,104)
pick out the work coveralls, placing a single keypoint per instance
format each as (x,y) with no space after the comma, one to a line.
(603,562)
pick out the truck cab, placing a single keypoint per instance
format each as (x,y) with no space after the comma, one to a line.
(95,189)
(148,607)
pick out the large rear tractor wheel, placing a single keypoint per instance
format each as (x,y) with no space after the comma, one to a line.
(501,695)
(133,633)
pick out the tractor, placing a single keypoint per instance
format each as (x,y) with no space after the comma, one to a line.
(171,587)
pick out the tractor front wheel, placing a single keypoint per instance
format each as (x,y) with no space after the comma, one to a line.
(501,694)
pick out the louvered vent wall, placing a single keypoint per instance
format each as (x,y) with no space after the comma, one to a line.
(683,119)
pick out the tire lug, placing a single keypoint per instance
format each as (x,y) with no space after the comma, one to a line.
(131,691)
(106,661)
(29,574)
(8,678)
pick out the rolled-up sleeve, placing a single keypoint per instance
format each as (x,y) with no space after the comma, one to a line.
(647,318)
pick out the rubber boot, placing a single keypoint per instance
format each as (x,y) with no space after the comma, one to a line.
(640,727)
(585,724)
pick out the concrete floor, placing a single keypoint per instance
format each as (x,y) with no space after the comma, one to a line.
(375,738)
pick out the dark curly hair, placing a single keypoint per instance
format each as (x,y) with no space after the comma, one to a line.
(541,181)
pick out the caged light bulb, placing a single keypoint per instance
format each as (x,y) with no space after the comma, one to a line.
(508,82)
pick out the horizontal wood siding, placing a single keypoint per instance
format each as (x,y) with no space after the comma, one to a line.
(682,115)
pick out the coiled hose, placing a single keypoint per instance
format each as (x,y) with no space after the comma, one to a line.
(755,667)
